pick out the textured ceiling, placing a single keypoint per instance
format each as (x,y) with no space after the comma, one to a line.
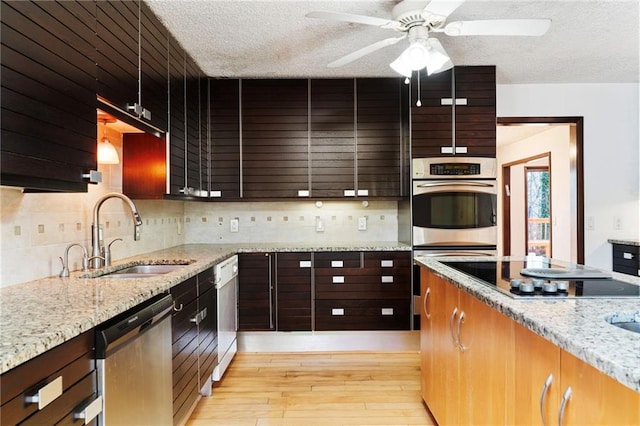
(589,41)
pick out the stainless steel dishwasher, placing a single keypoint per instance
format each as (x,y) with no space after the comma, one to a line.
(133,352)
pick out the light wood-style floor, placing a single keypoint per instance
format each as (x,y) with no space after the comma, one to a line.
(306,389)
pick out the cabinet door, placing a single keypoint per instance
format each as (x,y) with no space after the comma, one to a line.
(596,399)
(275,139)
(476,115)
(332,137)
(154,84)
(193,143)
(293,291)
(431,123)
(48,116)
(536,363)
(378,137)
(428,386)
(207,326)
(224,131)
(484,336)
(117,48)
(177,119)
(255,291)
(184,333)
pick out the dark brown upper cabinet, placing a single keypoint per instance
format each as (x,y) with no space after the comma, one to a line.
(275,138)
(224,138)
(458,113)
(333,153)
(48,117)
(177,119)
(132,60)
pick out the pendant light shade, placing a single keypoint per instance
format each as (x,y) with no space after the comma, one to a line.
(107,153)
(423,52)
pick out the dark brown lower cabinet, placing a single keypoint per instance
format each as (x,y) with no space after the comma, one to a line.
(207,326)
(255,291)
(185,347)
(73,364)
(626,259)
(325,291)
(293,291)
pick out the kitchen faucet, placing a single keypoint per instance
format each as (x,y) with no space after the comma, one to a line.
(65,260)
(97,253)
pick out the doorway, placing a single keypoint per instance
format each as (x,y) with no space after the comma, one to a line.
(563,139)
(537,208)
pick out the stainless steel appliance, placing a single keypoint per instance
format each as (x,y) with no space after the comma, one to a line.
(226,275)
(454,203)
(133,352)
(541,278)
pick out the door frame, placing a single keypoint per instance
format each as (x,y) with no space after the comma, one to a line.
(547,169)
(576,173)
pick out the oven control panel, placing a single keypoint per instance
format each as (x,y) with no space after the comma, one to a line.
(445,169)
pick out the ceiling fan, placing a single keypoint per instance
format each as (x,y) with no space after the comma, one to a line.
(416,22)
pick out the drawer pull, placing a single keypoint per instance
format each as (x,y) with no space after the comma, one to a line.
(387,311)
(337,311)
(627,255)
(90,411)
(446,101)
(349,192)
(215,194)
(363,192)
(337,264)
(446,150)
(386,263)
(305,264)
(387,278)
(338,279)
(303,193)
(46,394)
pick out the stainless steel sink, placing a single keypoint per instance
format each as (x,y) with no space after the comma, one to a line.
(631,326)
(142,271)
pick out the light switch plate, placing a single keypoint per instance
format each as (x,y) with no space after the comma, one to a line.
(319,224)
(234,225)
(362,223)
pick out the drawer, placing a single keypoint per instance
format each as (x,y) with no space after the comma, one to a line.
(206,280)
(337,260)
(185,292)
(364,290)
(387,260)
(363,314)
(626,259)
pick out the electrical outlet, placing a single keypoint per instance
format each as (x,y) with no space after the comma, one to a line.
(590,223)
(362,223)
(319,225)
(617,223)
(234,225)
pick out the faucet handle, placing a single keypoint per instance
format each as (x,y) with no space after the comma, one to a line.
(106,252)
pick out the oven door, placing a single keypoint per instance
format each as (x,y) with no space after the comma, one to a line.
(454,213)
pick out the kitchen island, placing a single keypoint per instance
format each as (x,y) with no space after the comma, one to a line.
(510,360)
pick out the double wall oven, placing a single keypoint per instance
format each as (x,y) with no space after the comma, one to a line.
(454,205)
(453,209)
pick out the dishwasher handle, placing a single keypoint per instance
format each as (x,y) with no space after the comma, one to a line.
(114,333)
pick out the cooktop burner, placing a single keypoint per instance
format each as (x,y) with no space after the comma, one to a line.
(505,276)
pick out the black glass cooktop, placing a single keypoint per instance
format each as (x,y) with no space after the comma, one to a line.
(501,275)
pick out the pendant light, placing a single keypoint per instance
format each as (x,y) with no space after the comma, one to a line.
(107,153)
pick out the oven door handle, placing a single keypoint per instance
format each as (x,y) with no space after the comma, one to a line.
(453,183)
(454,253)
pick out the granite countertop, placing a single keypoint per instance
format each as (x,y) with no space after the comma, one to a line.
(575,325)
(624,242)
(39,315)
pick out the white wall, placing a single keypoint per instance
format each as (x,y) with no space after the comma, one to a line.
(611,151)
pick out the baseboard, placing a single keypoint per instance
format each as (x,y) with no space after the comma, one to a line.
(328,341)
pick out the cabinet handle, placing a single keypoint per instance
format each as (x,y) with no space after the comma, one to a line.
(461,150)
(303,193)
(363,192)
(427,293)
(305,264)
(271,324)
(349,192)
(563,404)
(627,256)
(387,279)
(460,320)
(543,396)
(89,411)
(461,101)
(337,264)
(46,394)
(338,279)
(446,101)
(386,311)
(446,150)
(337,311)
(386,263)
(453,317)
(177,309)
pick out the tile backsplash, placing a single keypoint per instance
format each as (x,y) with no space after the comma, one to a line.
(37,228)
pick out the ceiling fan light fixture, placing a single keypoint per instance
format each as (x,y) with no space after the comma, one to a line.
(438,59)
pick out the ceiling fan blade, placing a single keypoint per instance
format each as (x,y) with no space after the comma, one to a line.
(442,8)
(364,51)
(358,19)
(499,27)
